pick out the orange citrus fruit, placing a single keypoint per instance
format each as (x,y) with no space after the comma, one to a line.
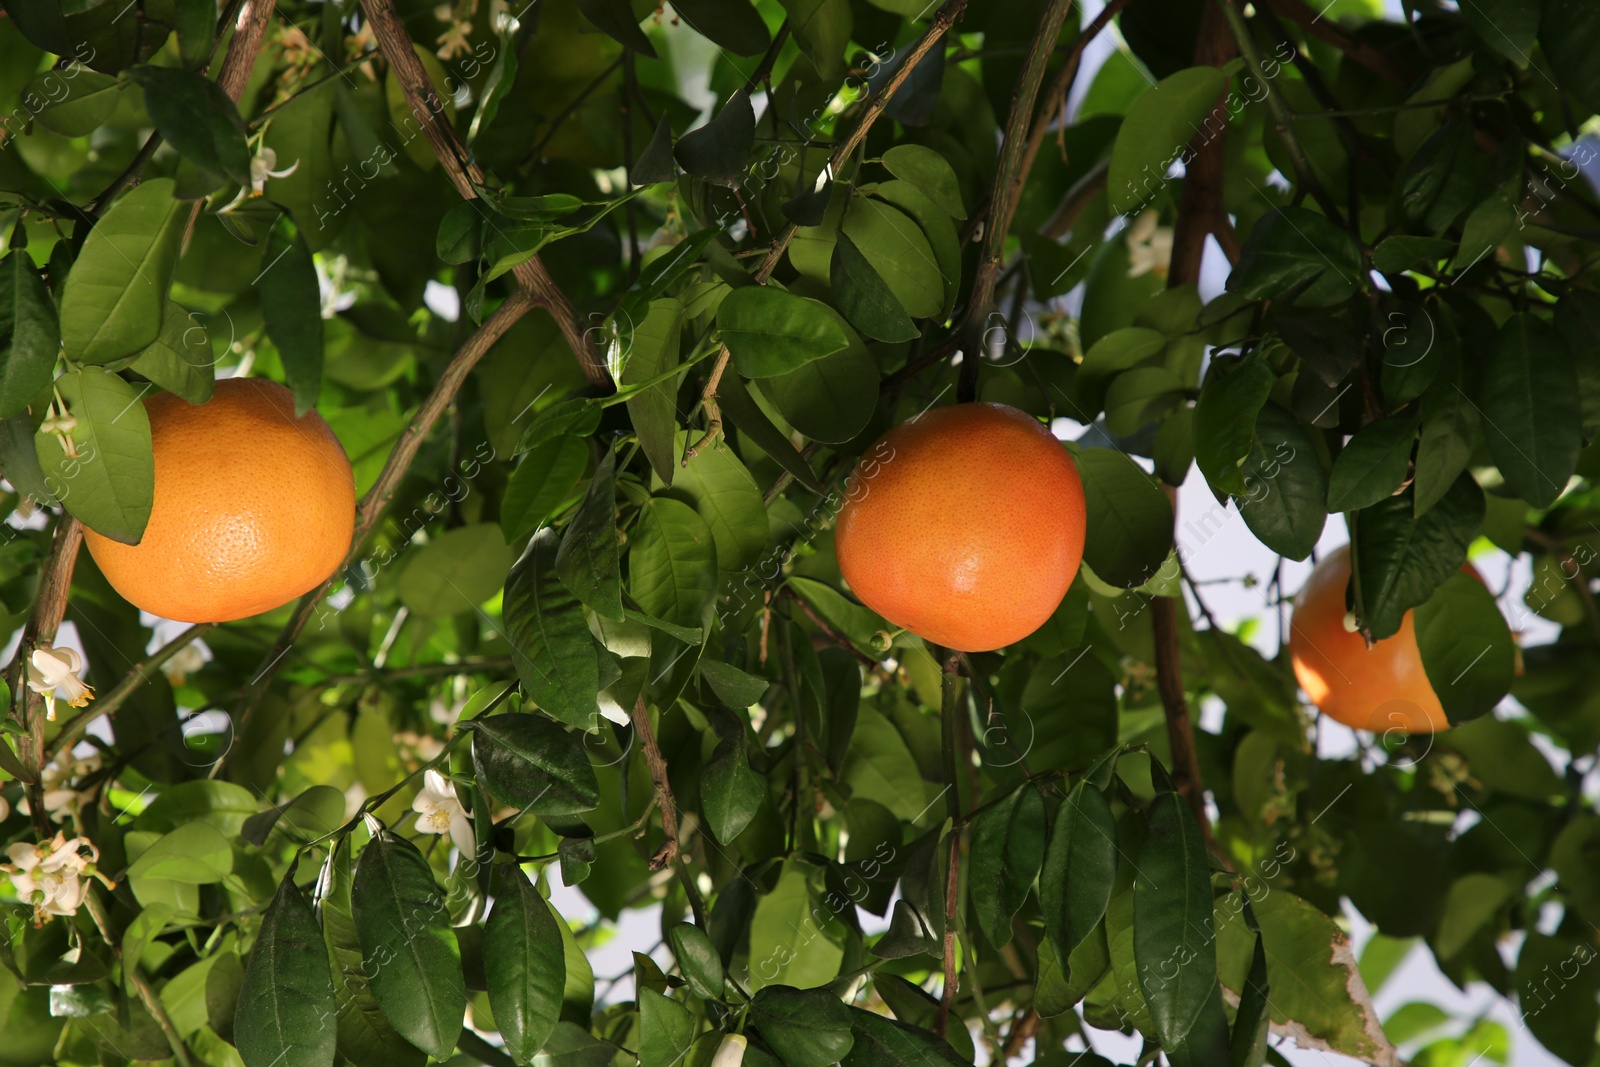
(253,507)
(964,525)
(1380,688)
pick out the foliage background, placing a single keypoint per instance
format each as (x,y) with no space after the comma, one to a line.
(1380,189)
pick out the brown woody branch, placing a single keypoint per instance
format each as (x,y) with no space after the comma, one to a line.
(942,21)
(665,801)
(1198,208)
(1328,30)
(395,44)
(377,499)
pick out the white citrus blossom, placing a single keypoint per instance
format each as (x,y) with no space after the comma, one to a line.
(53,876)
(1149,246)
(61,797)
(52,669)
(439,812)
(262,166)
(62,426)
(731,1052)
(183,663)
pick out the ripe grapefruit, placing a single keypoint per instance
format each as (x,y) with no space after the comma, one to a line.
(253,507)
(1379,689)
(964,525)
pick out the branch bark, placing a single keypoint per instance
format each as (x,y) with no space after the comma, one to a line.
(377,499)
(468,177)
(1198,208)
(665,801)
(49,605)
(942,21)
(950,685)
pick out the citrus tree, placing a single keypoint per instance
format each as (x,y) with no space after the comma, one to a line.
(610,306)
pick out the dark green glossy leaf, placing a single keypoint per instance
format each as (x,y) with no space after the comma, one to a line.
(555,654)
(672,563)
(730,791)
(1466,648)
(408,946)
(291,306)
(535,764)
(805,1027)
(1531,406)
(588,560)
(734,24)
(1449,432)
(666,1030)
(1172,941)
(653,351)
(1293,249)
(1129,530)
(1401,559)
(542,482)
(1080,868)
(113,298)
(1569,33)
(733,686)
(698,960)
(860,292)
(109,485)
(366,1037)
(656,163)
(929,172)
(286,1005)
(881,1042)
(30,339)
(745,414)
(1155,132)
(1007,849)
(180,360)
(1373,464)
(1285,486)
(197,118)
(717,151)
(1225,420)
(617,20)
(524,964)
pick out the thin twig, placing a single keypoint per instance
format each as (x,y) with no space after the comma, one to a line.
(141,984)
(468,177)
(949,696)
(377,499)
(1328,30)
(49,605)
(658,778)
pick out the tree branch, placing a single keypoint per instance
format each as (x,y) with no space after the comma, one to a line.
(1328,30)
(468,177)
(942,21)
(950,686)
(49,605)
(658,777)
(377,499)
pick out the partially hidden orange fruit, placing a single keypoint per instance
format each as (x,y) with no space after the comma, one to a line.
(253,507)
(964,525)
(1380,688)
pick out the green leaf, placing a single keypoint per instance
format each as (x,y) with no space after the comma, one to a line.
(460,237)
(727,496)
(1225,420)
(1569,33)
(291,307)
(1117,351)
(880,767)
(617,20)
(666,1030)
(882,1042)
(735,25)
(30,339)
(1157,130)
(1295,249)
(698,960)
(555,654)
(1373,463)
(542,482)
(196,24)
(1402,559)
(1252,1022)
(656,163)
(1466,648)
(1472,903)
(497,86)
(109,485)
(732,686)
(409,948)
(860,292)
(524,964)
(822,29)
(88,100)
(1403,252)
(41,22)
(1080,868)
(897,249)
(1561,1012)
(1285,486)
(717,151)
(287,996)
(772,332)
(197,118)
(113,298)
(455,571)
(742,410)
(830,399)
(1129,531)
(730,791)
(936,227)
(805,1027)
(1172,943)
(533,763)
(1449,433)
(1532,413)
(1441,178)
(672,563)
(654,412)
(914,1006)
(1008,844)
(1503,758)
(794,938)
(180,359)
(930,172)
(588,561)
